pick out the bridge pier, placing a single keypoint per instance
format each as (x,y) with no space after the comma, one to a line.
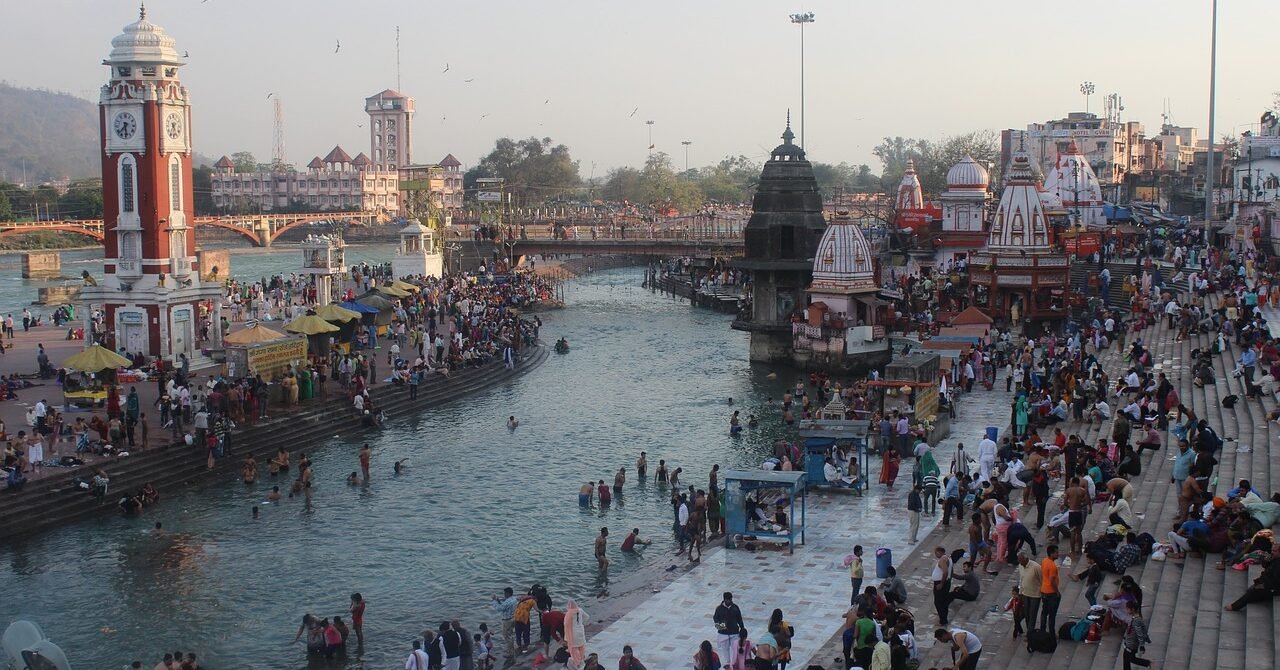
(41,265)
(263,229)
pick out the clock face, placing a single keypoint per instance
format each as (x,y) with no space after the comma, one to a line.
(125,125)
(173,125)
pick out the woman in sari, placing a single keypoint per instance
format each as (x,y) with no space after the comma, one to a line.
(575,632)
(890,461)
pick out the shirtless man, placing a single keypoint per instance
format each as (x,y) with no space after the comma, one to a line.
(660,477)
(600,547)
(1076,500)
(1121,486)
(274,496)
(365,454)
(619,480)
(675,478)
(249,469)
(642,466)
(584,494)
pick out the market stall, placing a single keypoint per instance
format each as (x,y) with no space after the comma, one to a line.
(761,505)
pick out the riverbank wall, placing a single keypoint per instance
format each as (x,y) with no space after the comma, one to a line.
(56,500)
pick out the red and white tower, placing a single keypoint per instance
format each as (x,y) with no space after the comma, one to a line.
(152,293)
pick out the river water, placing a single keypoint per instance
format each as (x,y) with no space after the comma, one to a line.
(480,508)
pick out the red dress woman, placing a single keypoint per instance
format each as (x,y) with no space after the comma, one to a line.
(889,467)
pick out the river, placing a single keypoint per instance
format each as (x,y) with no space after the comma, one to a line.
(480,508)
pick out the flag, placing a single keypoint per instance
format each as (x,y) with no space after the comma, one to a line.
(651,146)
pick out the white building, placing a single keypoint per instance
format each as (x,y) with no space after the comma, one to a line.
(1073,187)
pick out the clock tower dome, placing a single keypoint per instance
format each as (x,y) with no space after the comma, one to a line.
(151,296)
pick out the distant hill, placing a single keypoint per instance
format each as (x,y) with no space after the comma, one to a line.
(56,133)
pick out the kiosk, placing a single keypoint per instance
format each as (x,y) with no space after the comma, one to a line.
(821,436)
(746,491)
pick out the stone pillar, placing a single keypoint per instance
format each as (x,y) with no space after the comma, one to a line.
(41,265)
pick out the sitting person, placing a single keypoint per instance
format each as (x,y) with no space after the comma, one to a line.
(1264,588)
(150,495)
(14,479)
(1120,559)
(833,476)
(893,588)
(970,588)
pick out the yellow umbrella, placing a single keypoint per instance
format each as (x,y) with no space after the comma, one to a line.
(310,325)
(406,286)
(253,334)
(332,312)
(393,291)
(96,359)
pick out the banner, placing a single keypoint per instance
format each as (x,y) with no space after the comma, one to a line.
(1082,244)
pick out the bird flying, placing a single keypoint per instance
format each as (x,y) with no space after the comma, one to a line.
(633,112)
(468,81)
(269,95)
(446,68)
(337,46)
(186,54)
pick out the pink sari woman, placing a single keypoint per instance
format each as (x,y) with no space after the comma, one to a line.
(889,467)
(575,633)
(1003,517)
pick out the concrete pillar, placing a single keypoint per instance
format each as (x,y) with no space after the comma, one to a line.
(41,265)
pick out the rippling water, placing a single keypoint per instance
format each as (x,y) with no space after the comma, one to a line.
(480,508)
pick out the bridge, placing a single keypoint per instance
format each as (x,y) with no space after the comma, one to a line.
(260,229)
(656,246)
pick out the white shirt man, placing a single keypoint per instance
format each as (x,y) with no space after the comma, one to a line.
(1103,409)
(986,458)
(418,660)
(41,410)
(683,514)
(1131,380)
(1010,474)
(358,402)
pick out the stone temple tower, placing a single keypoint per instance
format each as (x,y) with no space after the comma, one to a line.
(781,242)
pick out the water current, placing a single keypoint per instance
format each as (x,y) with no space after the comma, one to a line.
(480,508)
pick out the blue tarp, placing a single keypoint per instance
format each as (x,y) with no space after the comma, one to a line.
(359,307)
(1114,213)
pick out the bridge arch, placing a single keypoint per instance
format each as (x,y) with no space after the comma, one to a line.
(70,228)
(246,232)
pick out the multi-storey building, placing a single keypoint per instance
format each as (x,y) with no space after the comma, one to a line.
(1112,147)
(390,129)
(335,182)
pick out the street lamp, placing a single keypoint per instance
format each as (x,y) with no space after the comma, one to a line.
(801,19)
(650,124)
(1087,90)
(686,144)
(1213,82)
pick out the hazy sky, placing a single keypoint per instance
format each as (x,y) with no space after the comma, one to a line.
(720,73)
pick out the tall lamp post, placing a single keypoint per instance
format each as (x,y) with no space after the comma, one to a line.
(1213,81)
(1087,89)
(801,19)
(650,124)
(686,144)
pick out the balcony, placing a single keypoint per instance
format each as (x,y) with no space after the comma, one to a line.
(128,268)
(180,267)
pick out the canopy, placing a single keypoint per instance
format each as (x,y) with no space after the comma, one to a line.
(406,286)
(96,359)
(310,325)
(358,308)
(253,334)
(376,301)
(332,312)
(393,291)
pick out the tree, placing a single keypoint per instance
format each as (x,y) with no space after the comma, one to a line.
(245,162)
(202,186)
(622,184)
(83,200)
(933,159)
(6,210)
(660,187)
(534,169)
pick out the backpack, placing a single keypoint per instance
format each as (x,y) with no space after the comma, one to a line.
(1065,631)
(1080,629)
(1042,641)
(1230,401)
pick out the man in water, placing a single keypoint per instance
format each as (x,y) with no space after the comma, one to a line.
(642,466)
(633,539)
(512,424)
(600,547)
(365,454)
(400,466)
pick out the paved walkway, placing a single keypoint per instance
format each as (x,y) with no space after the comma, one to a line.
(811,586)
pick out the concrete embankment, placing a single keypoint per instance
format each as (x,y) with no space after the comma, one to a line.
(53,501)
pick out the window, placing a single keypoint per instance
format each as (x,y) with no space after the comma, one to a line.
(123,71)
(391,139)
(127,190)
(148,72)
(170,72)
(174,183)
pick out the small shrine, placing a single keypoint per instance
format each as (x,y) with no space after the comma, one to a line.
(323,258)
(1020,276)
(1073,190)
(417,255)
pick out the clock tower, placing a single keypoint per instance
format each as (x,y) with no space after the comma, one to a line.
(151,296)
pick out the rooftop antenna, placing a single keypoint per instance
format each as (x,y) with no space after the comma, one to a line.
(397,58)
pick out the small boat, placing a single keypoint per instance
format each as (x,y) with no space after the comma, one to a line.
(562,346)
(26,647)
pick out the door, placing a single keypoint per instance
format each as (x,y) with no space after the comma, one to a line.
(135,339)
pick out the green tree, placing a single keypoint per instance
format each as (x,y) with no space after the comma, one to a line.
(202,186)
(83,200)
(660,187)
(934,158)
(6,207)
(534,169)
(245,162)
(622,184)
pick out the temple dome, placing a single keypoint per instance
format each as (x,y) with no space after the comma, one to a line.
(143,42)
(844,261)
(1020,224)
(968,174)
(1072,179)
(909,194)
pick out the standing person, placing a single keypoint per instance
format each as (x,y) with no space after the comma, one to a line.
(1030,579)
(601,546)
(450,646)
(575,632)
(854,562)
(1135,636)
(132,409)
(357,618)
(941,577)
(914,506)
(418,659)
(1050,590)
(642,467)
(728,621)
(466,654)
(365,453)
(506,607)
(1076,499)
(965,646)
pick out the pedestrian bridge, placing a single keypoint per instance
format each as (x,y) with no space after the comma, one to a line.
(260,229)
(696,248)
